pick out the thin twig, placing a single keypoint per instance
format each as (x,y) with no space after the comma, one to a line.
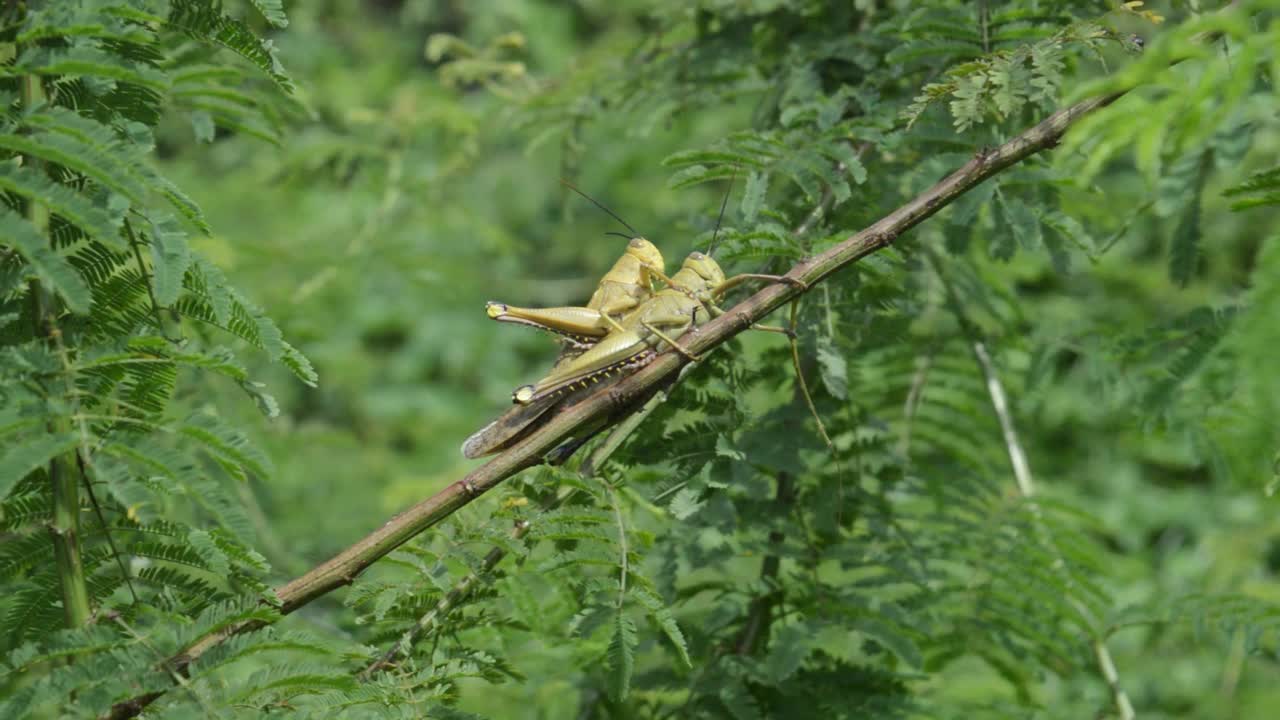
(106,529)
(146,281)
(1026,484)
(803,386)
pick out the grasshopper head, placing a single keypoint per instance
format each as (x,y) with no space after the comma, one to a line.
(646,252)
(704,271)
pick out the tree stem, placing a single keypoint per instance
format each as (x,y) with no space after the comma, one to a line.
(64,530)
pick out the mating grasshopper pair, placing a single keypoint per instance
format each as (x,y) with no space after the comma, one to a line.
(623,326)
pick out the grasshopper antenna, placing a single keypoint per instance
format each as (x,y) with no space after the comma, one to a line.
(621,235)
(724,202)
(597,203)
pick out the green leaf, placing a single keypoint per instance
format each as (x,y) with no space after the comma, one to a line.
(210,299)
(661,614)
(272,11)
(737,699)
(687,176)
(82,60)
(19,461)
(1266,186)
(228,446)
(51,268)
(622,655)
(834,368)
(725,449)
(1177,185)
(205,21)
(203,127)
(753,195)
(216,560)
(83,145)
(788,648)
(72,206)
(685,504)
(1184,247)
(78,19)
(170,258)
(894,640)
(1023,222)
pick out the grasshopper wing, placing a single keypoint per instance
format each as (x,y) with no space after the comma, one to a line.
(520,421)
(616,352)
(508,428)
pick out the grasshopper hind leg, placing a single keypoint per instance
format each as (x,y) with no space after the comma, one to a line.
(581,325)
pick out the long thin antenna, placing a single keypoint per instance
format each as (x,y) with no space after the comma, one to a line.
(724,202)
(621,235)
(597,203)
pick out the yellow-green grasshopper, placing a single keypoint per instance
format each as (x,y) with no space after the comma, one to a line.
(688,301)
(627,286)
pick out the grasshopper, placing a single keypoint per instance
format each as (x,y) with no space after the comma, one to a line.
(628,285)
(687,302)
(604,345)
(624,290)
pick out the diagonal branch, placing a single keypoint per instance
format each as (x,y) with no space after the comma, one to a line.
(343,568)
(462,588)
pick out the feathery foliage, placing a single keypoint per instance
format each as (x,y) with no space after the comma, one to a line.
(991,489)
(99,342)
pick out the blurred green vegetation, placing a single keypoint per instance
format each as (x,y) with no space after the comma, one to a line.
(376,231)
(417,177)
